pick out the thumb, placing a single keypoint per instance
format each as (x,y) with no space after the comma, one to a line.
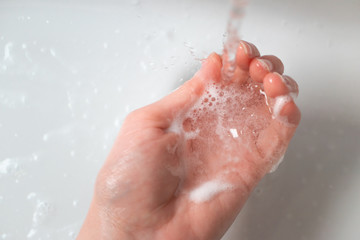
(166,109)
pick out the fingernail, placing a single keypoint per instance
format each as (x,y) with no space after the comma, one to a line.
(266,64)
(281,77)
(249,49)
(291,85)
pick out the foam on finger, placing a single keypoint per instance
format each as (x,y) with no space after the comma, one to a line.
(208,190)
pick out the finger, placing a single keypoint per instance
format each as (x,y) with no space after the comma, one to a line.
(245,54)
(165,110)
(292,85)
(277,64)
(259,68)
(275,85)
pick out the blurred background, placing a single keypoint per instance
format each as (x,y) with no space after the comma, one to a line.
(70,71)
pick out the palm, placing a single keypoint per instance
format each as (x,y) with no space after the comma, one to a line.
(219,131)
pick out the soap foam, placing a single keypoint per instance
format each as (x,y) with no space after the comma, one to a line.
(280,102)
(208,190)
(293,95)
(234,132)
(231,106)
(228,117)
(8,166)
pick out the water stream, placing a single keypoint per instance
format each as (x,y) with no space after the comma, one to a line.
(232,38)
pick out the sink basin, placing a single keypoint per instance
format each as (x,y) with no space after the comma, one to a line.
(70,71)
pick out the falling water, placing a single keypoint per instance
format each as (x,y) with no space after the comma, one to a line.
(232,38)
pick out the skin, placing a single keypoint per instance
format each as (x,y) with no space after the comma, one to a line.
(143,189)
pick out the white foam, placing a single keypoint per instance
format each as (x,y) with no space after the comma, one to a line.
(192,135)
(266,98)
(208,190)
(223,113)
(234,132)
(8,166)
(7,52)
(176,125)
(280,102)
(41,213)
(293,95)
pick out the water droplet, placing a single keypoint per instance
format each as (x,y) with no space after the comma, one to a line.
(127,108)
(8,166)
(35,157)
(31,195)
(31,233)
(45,137)
(41,213)
(52,52)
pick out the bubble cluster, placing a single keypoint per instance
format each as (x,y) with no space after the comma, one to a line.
(41,213)
(8,166)
(222,128)
(229,110)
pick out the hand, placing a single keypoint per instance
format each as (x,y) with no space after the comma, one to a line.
(182,168)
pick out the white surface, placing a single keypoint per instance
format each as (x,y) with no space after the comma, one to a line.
(70,72)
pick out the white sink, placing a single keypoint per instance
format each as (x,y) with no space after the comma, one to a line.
(70,72)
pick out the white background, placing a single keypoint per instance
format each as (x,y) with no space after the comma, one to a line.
(70,71)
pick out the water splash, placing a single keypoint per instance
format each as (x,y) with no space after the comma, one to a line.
(232,38)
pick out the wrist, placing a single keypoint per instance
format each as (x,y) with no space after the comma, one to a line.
(99,225)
